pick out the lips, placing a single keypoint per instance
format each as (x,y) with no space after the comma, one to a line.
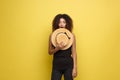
(61,26)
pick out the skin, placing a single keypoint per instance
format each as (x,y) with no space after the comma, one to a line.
(52,50)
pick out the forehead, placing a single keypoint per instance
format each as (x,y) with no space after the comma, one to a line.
(62,19)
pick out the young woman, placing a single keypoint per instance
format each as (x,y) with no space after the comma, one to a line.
(64,61)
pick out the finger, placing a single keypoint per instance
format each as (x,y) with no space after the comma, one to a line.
(74,75)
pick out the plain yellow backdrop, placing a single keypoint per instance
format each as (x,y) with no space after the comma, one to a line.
(25,26)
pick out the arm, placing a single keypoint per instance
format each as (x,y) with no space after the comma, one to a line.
(74,56)
(51,49)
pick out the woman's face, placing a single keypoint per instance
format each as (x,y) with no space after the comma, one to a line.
(62,23)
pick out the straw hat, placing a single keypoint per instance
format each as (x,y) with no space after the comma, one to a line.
(62,35)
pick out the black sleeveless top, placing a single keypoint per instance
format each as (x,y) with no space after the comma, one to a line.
(62,59)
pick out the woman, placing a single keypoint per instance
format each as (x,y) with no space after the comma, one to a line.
(64,61)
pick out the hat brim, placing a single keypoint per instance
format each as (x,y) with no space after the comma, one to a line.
(62,30)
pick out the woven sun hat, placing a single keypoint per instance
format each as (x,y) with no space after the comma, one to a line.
(62,35)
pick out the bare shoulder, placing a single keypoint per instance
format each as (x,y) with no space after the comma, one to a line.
(74,42)
(73,35)
(50,35)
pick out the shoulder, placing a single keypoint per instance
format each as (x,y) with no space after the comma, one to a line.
(50,35)
(74,41)
(73,35)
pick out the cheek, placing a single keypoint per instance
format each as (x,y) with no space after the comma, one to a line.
(59,24)
(65,24)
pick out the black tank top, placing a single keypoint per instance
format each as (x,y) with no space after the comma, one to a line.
(62,59)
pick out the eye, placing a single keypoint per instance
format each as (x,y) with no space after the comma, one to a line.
(64,21)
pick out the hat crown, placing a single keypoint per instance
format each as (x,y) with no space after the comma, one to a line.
(62,38)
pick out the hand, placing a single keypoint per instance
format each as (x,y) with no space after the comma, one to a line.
(60,46)
(74,72)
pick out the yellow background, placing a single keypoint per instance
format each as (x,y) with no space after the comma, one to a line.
(26,24)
